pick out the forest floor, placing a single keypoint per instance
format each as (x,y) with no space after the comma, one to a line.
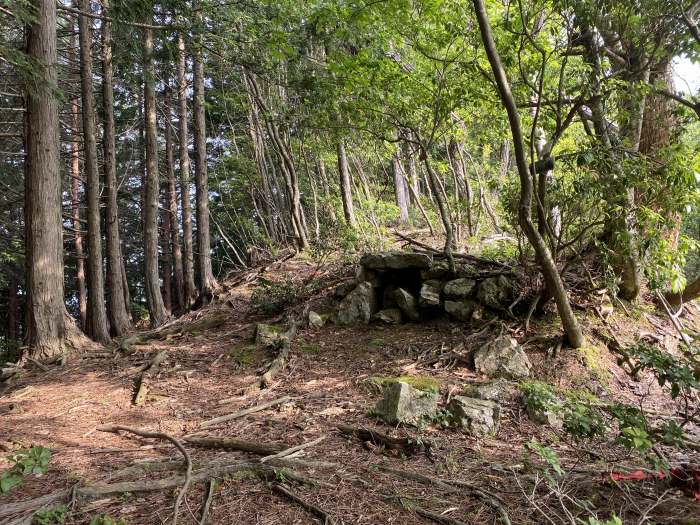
(62,407)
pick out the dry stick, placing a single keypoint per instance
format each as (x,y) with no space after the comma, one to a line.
(207,502)
(313,509)
(245,411)
(160,435)
(292,450)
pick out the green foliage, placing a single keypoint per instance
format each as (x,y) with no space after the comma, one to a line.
(613,520)
(52,516)
(546,454)
(679,375)
(271,297)
(25,462)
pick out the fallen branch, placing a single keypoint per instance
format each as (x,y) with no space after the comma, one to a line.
(408,446)
(313,509)
(207,502)
(160,435)
(292,450)
(245,411)
(263,449)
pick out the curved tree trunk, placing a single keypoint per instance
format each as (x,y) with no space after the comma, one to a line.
(43,221)
(118,310)
(187,252)
(547,264)
(150,223)
(96,312)
(207,282)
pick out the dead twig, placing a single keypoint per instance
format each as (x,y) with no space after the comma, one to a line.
(245,411)
(292,450)
(207,502)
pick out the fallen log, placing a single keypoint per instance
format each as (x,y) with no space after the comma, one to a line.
(408,446)
(263,449)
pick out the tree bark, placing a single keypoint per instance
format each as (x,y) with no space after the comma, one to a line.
(400,189)
(187,255)
(43,221)
(75,216)
(150,228)
(96,311)
(345,187)
(207,282)
(171,202)
(118,310)
(548,267)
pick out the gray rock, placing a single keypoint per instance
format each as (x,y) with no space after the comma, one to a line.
(404,404)
(430,294)
(343,289)
(269,335)
(407,303)
(497,390)
(396,260)
(365,275)
(477,416)
(388,316)
(315,320)
(358,306)
(502,357)
(460,288)
(438,270)
(544,417)
(460,310)
(495,292)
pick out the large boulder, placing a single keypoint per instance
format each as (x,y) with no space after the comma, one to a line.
(502,357)
(495,292)
(404,404)
(407,303)
(460,288)
(477,416)
(396,260)
(430,294)
(388,316)
(358,306)
(460,310)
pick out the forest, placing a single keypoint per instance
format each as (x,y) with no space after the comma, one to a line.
(349,261)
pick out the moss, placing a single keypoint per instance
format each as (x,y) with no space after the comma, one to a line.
(423,383)
(243,356)
(310,348)
(377,342)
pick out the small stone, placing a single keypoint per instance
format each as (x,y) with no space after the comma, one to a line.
(502,357)
(460,310)
(343,289)
(407,303)
(544,417)
(495,292)
(460,288)
(477,416)
(358,306)
(396,260)
(429,294)
(388,316)
(404,404)
(269,335)
(315,320)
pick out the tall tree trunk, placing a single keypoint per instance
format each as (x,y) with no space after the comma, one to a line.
(166,257)
(118,310)
(548,267)
(187,252)
(345,187)
(13,314)
(75,216)
(43,221)
(172,209)
(207,283)
(96,312)
(400,189)
(150,226)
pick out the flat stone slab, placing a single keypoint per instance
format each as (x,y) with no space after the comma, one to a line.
(396,260)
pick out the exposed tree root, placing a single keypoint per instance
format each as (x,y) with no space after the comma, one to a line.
(263,449)
(313,509)
(245,411)
(160,435)
(406,445)
(207,502)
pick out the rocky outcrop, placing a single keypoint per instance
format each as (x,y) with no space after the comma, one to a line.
(407,405)
(460,288)
(503,357)
(358,306)
(479,417)
(396,261)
